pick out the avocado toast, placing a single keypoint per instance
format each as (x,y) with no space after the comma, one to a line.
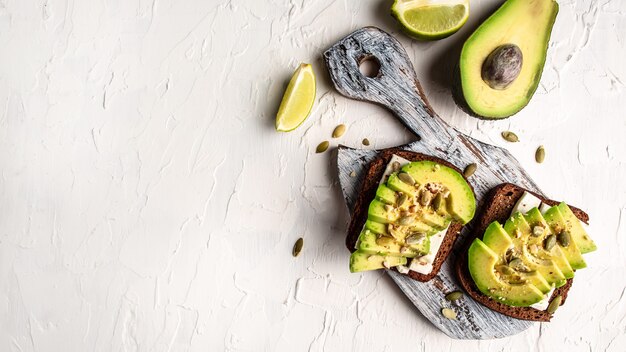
(523,285)
(393,225)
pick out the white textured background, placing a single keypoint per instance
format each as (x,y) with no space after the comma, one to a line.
(147,204)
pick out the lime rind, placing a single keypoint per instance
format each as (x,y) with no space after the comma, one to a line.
(298,99)
(438,20)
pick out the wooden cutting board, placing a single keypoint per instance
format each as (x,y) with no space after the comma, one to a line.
(396,88)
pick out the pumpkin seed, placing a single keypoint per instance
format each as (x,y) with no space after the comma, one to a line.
(515,261)
(549,242)
(425,198)
(401,199)
(518,280)
(406,220)
(395,166)
(339,131)
(538,231)
(469,170)
(392,231)
(554,304)
(297,247)
(385,241)
(563,238)
(438,202)
(448,313)
(505,270)
(510,136)
(540,154)
(322,147)
(517,265)
(454,296)
(406,178)
(414,238)
(509,255)
(365,141)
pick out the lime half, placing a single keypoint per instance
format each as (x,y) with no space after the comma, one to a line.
(431,19)
(298,99)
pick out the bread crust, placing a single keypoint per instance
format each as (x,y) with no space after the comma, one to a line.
(497,207)
(368,192)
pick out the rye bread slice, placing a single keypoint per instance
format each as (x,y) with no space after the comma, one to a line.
(498,207)
(368,192)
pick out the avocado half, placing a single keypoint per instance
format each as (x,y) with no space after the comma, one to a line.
(525,24)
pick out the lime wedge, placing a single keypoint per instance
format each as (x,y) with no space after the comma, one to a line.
(431,19)
(298,99)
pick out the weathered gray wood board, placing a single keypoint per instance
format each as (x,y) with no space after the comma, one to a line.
(396,88)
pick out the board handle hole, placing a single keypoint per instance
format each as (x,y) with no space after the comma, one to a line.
(369,66)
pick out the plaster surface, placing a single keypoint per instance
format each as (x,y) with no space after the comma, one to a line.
(147,204)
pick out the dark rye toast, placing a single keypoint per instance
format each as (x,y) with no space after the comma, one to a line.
(367,193)
(497,207)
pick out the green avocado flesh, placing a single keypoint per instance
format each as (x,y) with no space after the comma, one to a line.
(394,183)
(558,225)
(434,219)
(499,242)
(535,219)
(372,243)
(460,203)
(515,262)
(410,206)
(579,235)
(526,24)
(361,261)
(482,263)
(519,231)
(386,194)
(378,212)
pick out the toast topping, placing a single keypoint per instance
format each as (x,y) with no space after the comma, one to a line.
(521,262)
(414,204)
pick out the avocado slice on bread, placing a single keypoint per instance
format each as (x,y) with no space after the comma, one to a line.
(362,261)
(521,234)
(541,232)
(480,255)
(500,266)
(401,206)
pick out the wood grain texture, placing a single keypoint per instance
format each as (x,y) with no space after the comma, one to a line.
(396,88)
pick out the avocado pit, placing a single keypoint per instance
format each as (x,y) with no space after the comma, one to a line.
(502,66)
